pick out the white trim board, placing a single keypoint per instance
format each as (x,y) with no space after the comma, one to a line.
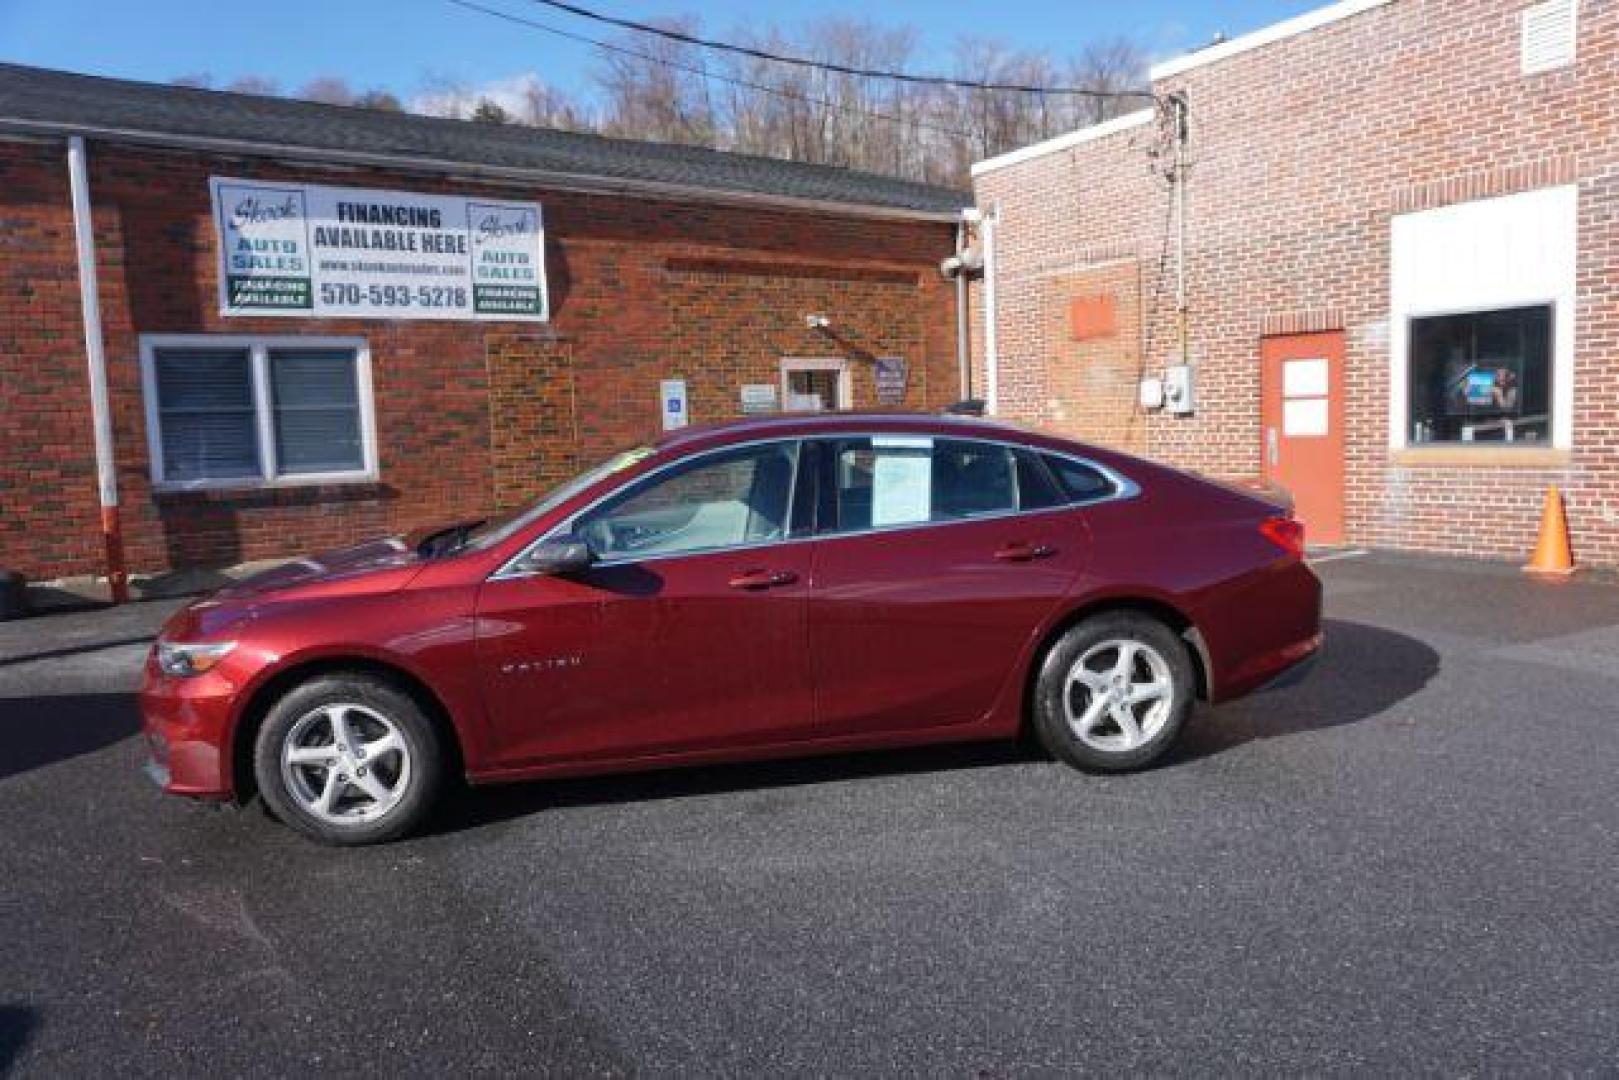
(1299,24)
(1063,142)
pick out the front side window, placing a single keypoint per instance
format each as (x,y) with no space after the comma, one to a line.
(720,500)
(891,480)
(231,413)
(1482,377)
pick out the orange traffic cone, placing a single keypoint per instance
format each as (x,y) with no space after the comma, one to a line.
(1552,555)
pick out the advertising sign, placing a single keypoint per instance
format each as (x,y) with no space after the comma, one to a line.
(758,398)
(891,374)
(315,251)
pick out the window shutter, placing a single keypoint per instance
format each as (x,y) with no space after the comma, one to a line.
(1549,31)
(317,410)
(205,414)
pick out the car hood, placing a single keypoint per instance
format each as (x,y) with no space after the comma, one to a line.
(373,566)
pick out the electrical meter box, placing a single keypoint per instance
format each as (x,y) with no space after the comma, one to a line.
(1178,389)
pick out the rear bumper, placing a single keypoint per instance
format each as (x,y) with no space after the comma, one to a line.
(1266,634)
(187,725)
(1295,670)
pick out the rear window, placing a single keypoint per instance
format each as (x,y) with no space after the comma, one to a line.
(1079,482)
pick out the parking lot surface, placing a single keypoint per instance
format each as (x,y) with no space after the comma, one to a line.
(1409,861)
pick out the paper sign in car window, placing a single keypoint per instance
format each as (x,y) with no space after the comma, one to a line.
(901,480)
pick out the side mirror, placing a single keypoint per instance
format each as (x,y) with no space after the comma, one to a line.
(560,555)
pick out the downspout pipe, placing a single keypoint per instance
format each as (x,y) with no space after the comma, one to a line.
(84,240)
(964,359)
(992,355)
(1177,104)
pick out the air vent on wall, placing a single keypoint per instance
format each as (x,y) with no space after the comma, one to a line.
(1548,35)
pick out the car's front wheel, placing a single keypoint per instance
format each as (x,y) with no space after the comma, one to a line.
(1113,692)
(348,759)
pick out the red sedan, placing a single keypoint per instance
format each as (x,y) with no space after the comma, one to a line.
(768,588)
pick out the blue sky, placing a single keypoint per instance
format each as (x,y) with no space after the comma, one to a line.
(403,44)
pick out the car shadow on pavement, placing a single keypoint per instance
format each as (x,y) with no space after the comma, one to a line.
(17,1024)
(474,808)
(40,731)
(1362,672)
(73,650)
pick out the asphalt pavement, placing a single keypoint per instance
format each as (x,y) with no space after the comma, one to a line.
(1409,862)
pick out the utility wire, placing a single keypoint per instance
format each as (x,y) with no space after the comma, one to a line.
(840,69)
(706,74)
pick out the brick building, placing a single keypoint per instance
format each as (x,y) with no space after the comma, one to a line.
(1401,258)
(345,377)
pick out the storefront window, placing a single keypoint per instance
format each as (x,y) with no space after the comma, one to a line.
(1482,377)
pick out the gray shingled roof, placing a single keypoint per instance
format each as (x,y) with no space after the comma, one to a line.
(58,100)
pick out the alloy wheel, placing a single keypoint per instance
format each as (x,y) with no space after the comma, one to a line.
(1118,695)
(346,764)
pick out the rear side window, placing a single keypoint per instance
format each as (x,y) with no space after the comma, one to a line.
(1036,490)
(890,480)
(971,479)
(1079,482)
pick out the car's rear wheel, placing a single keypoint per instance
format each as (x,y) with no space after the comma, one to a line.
(1113,692)
(348,759)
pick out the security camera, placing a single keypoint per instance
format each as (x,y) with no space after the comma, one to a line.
(967,261)
(817,322)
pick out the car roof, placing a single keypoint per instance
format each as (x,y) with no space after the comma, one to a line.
(810,425)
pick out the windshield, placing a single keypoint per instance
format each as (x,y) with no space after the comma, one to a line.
(498,529)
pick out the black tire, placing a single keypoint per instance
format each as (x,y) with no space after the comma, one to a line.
(1055,696)
(416,785)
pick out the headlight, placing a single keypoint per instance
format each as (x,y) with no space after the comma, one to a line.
(182,659)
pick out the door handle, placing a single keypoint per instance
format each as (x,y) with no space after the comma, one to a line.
(754,580)
(1025,552)
(1272,447)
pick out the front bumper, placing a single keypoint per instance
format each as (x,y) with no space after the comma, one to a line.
(187,725)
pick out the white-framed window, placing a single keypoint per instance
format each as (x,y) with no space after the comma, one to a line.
(226,411)
(1482,322)
(815,385)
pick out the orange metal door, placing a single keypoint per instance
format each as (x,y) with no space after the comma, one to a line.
(1302,427)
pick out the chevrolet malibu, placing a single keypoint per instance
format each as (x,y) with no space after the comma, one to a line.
(767,588)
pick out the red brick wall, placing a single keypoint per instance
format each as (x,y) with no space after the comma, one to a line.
(469,415)
(1302,151)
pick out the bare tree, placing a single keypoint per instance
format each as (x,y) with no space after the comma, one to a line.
(254,84)
(669,91)
(658,94)
(820,115)
(1116,65)
(380,99)
(328,90)
(547,107)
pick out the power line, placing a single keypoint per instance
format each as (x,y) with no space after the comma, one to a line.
(840,69)
(714,75)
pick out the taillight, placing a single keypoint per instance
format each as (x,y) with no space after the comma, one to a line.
(1286,533)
